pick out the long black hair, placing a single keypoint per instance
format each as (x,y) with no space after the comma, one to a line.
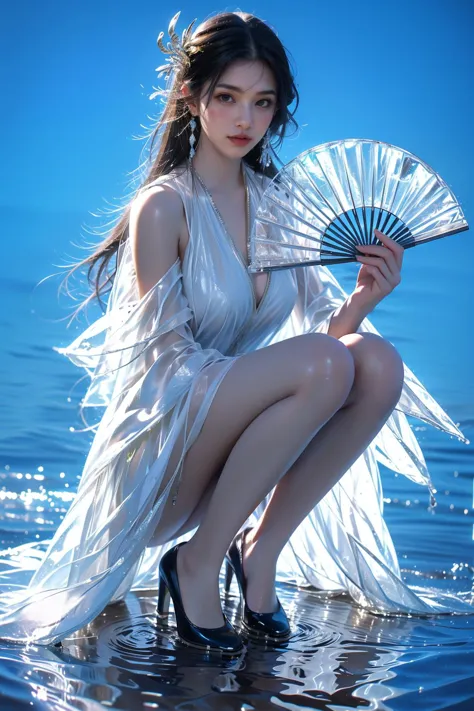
(208,51)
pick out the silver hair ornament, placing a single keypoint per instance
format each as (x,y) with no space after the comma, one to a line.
(177,56)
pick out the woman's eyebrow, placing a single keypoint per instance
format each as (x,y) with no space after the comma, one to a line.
(240,91)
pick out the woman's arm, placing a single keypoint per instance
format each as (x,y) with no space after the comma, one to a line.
(146,333)
(155,223)
(346,319)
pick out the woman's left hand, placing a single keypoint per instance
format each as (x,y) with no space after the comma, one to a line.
(379,273)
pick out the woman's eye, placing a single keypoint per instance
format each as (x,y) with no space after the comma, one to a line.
(224,98)
(227,99)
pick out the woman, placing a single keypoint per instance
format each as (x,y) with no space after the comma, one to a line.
(228,396)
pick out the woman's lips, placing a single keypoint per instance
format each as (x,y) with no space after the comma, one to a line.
(239,141)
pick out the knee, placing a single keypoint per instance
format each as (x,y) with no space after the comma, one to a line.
(378,366)
(324,358)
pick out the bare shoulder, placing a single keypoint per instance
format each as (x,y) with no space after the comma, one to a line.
(155,224)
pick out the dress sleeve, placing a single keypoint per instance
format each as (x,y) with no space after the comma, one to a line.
(135,333)
(319,296)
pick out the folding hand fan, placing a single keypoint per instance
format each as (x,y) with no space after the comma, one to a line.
(331,197)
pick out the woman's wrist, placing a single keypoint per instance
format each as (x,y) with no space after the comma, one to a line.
(347,318)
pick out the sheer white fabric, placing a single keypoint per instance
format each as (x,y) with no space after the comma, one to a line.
(155,365)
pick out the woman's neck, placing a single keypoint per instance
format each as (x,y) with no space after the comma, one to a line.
(219,173)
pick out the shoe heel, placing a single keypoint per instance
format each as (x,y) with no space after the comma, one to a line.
(163,605)
(223,639)
(228,577)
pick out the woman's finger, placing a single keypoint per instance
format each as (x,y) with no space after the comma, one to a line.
(380,264)
(381,281)
(394,247)
(383,252)
(390,247)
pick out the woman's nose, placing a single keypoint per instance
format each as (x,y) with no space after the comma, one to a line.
(244,119)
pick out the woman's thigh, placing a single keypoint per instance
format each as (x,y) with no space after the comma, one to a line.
(254,382)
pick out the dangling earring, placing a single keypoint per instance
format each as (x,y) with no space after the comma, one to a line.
(192,138)
(265,158)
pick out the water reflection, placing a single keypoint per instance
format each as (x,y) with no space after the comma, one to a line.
(338,657)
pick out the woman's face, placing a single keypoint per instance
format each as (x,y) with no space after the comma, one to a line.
(243,102)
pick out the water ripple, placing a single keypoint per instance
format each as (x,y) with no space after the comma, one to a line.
(338,656)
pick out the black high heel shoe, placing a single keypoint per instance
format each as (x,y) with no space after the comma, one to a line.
(222,639)
(273,626)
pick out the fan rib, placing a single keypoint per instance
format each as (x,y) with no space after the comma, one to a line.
(361,173)
(331,225)
(282,205)
(285,226)
(431,217)
(343,212)
(302,190)
(354,207)
(372,207)
(287,245)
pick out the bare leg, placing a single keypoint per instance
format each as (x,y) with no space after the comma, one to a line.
(259,398)
(376,391)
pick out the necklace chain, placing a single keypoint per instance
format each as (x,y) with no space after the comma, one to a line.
(221,219)
(237,251)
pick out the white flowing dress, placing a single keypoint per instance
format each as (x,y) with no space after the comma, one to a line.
(148,360)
